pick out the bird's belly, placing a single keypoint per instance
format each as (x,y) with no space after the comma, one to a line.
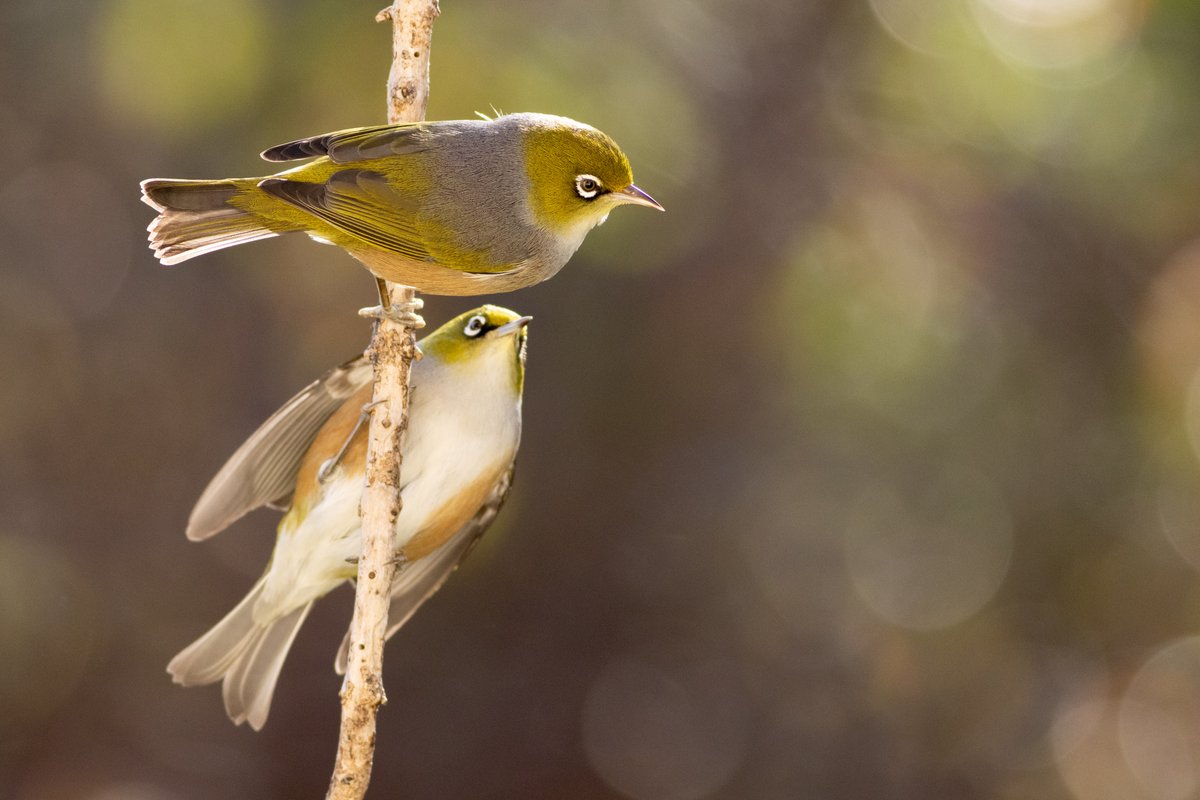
(310,558)
(446,482)
(446,520)
(439,279)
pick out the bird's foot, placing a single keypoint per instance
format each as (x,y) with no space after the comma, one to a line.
(401,313)
(330,464)
(399,560)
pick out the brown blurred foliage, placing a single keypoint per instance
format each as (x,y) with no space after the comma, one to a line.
(868,470)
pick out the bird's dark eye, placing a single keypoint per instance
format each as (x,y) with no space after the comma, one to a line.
(587,186)
(475,326)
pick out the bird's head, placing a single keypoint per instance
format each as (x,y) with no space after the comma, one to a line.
(483,337)
(577,174)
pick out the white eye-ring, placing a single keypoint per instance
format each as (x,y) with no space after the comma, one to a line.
(475,326)
(587,186)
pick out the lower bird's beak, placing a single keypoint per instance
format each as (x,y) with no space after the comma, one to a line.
(510,328)
(634,195)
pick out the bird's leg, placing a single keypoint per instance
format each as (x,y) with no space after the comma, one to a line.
(401,313)
(400,560)
(330,464)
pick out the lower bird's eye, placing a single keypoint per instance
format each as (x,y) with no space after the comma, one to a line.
(587,186)
(475,325)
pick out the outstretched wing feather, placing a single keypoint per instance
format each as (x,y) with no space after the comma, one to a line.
(263,470)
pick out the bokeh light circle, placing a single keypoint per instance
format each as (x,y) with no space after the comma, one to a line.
(1159,721)
(1087,751)
(1058,34)
(659,735)
(933,558)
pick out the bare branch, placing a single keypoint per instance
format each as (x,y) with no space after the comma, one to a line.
(393,349)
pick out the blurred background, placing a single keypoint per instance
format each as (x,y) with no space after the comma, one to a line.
(868,470)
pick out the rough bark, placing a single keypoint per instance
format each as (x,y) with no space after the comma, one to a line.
(393,348)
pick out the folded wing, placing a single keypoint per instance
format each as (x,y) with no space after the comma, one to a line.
(418,580)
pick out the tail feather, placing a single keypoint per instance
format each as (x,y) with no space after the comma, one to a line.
(245,654)
(185,195)
(251,680)
(195,217)
(207,659)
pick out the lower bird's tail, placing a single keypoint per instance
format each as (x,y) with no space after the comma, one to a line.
(245,654)
(195,217)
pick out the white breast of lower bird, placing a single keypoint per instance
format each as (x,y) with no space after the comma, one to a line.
(464,429)
(465,425)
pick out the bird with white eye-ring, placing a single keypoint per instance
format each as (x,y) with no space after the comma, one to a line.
(457,207)
(464,428)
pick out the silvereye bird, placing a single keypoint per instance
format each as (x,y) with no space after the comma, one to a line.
(456,208)
(464,428)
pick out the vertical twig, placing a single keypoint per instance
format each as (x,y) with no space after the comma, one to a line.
(393,348)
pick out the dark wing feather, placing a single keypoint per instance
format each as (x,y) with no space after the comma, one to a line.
(356,144)
(416,582)
(358,202)
(263,470)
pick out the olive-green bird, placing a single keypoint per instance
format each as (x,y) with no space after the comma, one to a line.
(457,207)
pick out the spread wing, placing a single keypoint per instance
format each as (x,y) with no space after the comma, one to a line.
(356,144)
(263,470)
(416,582)
(361,203)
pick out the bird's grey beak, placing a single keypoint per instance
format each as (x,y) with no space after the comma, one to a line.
(634,195)
(510,328)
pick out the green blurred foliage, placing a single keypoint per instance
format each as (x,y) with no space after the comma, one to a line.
(160,64)
(868,470)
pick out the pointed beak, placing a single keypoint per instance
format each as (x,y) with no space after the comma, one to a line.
(510,328)
(634,195)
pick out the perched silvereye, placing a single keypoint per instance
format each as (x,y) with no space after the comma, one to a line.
(464,428)
(458,207)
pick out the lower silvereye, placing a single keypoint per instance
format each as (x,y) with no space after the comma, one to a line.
(457,207)
(464,427)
